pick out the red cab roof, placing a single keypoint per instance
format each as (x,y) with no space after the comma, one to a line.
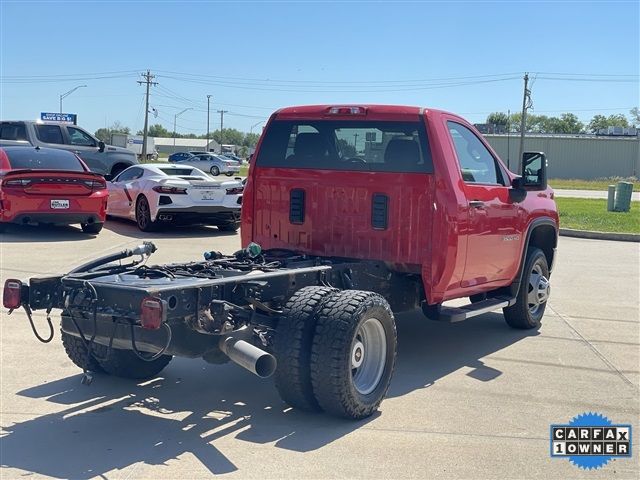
(347,111)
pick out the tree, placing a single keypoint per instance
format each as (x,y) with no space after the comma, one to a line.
(250,139)
(567,123)
(158,130)
(635,116)
(104,134)
(498,118)
(600,121)
(230,136)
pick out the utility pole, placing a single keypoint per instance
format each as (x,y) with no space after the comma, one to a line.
(148,80)
(355,142)
(221,112)
(208,102)
(526,103)
(508,138)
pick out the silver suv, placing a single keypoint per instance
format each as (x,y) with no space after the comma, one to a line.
(100,158)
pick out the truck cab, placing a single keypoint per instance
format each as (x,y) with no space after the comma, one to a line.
(416,188)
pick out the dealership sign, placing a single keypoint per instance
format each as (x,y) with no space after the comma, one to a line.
(70,118)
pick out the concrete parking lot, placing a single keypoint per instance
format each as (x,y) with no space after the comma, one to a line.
(468,400)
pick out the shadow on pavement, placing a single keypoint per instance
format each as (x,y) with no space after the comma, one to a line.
(115,423)
(128,228)
(43,233)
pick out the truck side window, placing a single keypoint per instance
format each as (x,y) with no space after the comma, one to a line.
(11,131)
(78,137)
(49,134)
(477,165)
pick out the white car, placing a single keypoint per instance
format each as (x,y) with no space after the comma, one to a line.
(163,193)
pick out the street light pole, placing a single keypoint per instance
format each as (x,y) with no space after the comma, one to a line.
(255,125)
(64,95)
(208,102)
(175,117)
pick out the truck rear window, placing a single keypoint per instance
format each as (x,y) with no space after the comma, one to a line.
(346,145)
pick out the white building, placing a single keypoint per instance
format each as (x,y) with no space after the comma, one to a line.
(167,146)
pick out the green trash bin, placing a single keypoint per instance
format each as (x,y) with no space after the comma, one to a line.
(622,201)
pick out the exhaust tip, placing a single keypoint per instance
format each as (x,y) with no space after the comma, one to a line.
(265,366)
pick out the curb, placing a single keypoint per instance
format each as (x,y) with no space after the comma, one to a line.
(620,237)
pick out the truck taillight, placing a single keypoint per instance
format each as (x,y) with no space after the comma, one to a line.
(12,295)
(152,313)
(170,190)
(346,110)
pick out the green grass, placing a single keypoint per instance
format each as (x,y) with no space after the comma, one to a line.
(599,184)
(244,169)
(591,214)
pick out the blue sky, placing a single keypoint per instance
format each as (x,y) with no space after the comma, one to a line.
(254,57)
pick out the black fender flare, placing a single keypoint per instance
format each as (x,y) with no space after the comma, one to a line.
(538,222)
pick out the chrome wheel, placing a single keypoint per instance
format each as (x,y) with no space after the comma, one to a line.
(539,289)
(368,356)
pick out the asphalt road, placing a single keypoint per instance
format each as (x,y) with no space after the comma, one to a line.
(469,400)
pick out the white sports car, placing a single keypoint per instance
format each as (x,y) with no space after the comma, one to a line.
(163,193)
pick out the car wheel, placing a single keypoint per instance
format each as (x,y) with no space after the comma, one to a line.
(229,174)
(532,297)
(143,215)
(215,171)
(353,353)
(91,227)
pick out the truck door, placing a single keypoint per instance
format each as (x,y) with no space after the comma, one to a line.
(494,238)
(86,147)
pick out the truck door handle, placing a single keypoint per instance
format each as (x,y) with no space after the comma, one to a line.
(476,204)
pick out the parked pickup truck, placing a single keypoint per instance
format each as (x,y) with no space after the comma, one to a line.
(350,213)
(100,158)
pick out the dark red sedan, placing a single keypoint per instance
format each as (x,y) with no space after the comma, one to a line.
(45,185)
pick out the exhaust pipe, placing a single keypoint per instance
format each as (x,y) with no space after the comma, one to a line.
(248,356)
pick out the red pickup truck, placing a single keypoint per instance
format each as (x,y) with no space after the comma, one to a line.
(350,213)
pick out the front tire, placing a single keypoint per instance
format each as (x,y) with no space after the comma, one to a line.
(353,353)
(92,227)
(533,294)
(143,215)
(215,171)
(292,346)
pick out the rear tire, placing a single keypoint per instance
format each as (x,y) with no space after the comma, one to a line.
(79,355)
(229,227)
(353,353)
(126,364)
(92,227)
(143,215)
(292,346)
(215,171)
(532,296)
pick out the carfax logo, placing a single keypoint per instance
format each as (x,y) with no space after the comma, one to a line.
(590,440)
